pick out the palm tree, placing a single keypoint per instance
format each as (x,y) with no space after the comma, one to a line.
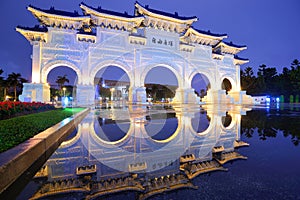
(295,64)
(61,80)
(14,80)
(5,85)
(1,81)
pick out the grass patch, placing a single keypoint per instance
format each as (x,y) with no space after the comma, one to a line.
(16,130)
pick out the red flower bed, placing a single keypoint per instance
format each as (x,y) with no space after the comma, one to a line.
(10,109)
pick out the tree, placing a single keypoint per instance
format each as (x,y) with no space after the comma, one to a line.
(295,64)
(14,80)
(284,81)
(104,92)
(202,93)
(261,70)
(270,77)
(1,83)
(61,80)
(248,80)
(295,76)
(268,81)
(154,90)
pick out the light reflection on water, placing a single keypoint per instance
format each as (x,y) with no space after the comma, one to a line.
(144,152)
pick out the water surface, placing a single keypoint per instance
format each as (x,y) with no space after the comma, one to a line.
(174,152)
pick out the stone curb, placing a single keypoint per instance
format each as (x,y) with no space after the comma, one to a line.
(14,162)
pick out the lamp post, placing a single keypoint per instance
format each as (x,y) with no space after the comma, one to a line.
(112,94)
(64,89)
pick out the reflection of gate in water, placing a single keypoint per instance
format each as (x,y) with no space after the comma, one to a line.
(103,166)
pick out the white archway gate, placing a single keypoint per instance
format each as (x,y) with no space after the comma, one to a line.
(86,43)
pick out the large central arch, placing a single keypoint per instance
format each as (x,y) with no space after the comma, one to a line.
(126,68)
(166,85)
(111,82)
(174,69)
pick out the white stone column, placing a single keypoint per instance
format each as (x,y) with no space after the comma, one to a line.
(85,95)
(237,96)
(215,97)
(137,95)
(238,77)
(137,91)
(186,96)
(37,92)
(36,62)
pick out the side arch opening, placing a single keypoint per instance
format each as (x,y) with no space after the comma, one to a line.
(63,82)
(201,84)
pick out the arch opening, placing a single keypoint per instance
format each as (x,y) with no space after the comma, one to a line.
(161,84)
(111,84)
(226,120)
(226,85)
(110,130)
(63,82)
(200,122)
(161,126)
(201,85)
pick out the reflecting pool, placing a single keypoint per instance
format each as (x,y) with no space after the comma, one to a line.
(175,152)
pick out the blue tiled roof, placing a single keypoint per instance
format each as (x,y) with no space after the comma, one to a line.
(234,45)
(209,33)
(176,16)
(219,53)
(36,28)
(100,10)
(58,12)
(238,58)
(87,33)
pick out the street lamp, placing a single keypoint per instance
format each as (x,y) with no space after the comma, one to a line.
(64,89)
(112,93)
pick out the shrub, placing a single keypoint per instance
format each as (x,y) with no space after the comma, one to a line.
(10,109)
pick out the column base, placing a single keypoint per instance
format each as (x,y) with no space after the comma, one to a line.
(237,96)
(217,97)
(137,95)
(246,99)
(240,97)
(85,95)
(37,92)
(186,96)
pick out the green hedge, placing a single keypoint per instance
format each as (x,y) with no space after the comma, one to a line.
(16,130)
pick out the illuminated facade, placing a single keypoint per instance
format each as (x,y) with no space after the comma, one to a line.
(148,39)
(94,166)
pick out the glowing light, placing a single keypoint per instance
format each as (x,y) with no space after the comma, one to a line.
(277,100)
(35,76)
(66,101)
(112,93)
(64,89)
(268,100)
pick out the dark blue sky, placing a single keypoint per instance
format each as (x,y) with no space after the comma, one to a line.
(270,29)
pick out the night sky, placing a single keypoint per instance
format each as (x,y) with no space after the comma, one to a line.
(270,29)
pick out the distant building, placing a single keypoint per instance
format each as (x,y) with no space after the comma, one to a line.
(265,99)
